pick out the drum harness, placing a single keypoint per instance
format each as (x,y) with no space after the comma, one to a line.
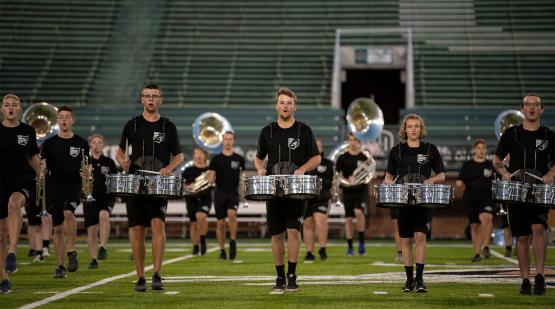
(524,149)
(278,165)
(135,119)
(419,164)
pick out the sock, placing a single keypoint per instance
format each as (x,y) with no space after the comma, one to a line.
(309,253)
(400,252)
(195,248)
(203,239)
(509,248)
(486,247)
(361,236)
(419,271)
(291,267)
(45,243)
(350,242)
(280,270)
(322,250)
(222,251)
(409,271)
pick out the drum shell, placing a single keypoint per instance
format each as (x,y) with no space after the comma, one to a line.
(544,195)
(434,196)
(300,187)
(123,184)
(169,187)
(509,191)
(260,188)
(391,195)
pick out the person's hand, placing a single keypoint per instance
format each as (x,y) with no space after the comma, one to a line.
(261,172)
(164,171)
(428,181)
(125,164)
(506,176)
(547,179)
(299,172)
(387,182)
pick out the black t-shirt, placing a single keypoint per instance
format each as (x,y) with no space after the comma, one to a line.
(295,144)
(227,170)
(101,167)
(17,146)
(538,145)
(346,165)
(415,163)
(63,158)
(152,143)
(477,177)
(325,172)
(191,173)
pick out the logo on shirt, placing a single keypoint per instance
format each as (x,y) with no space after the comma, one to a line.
(234,165)
(421,158)
(74,151)
(541,144)
(322,169)
(104,169)
(158,137)
(293,143)
(22,139)
(487,172)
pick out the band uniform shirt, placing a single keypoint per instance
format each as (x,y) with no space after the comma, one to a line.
(421,161)
(347,163)
(152,143)
(227,169)
(17,146)
(325,171)
(63,158)
(537,145)
(101,167)
(295,144)
(477,178)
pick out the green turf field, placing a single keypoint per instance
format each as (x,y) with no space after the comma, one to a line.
(373,280)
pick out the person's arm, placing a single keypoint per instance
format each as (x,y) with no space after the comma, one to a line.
(549,178)
(123,160)
(440,177)
(259,165)
(35,163)
(500,168)
(388,179)
(211,176)
(310,165)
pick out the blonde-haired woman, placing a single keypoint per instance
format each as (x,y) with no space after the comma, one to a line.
(413,161)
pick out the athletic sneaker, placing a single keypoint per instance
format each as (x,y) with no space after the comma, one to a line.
(203,247)
(45,252)
(420,287)
(323,254)
(38,258)
(539,284)
(476,258)
(526,287)
(223,255)
(5,286)
(350,252)
(157,282)
(292,283)
(93,264)
(140,285)
(508,253)
(31,253)
(309,257)
(280,285)
(102,253)
(487,253)
(195,250)
(73,264)
(361,248)
(398,257)
(60,272)
(232,249)
(409,286)
(11,263)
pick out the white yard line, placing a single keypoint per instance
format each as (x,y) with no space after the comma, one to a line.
(104,281)
(501,256)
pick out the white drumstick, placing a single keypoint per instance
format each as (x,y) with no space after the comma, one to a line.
(514,173)
(149,172)
(534,176)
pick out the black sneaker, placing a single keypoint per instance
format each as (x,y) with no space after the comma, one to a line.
(102,253)
(60,272)
(323,254)
(232,249)
(539,284)
(409,286)
(508,253)
(31,253)
(93,264)
(476,258)
(487,253)
(157,282)
(223,255)
(280,285)
(420,287)
(5,286)
(73,264)
(195,250)
(309,257)
(292,283)
(11,263)
(526,287)
(203,247)
(140,285)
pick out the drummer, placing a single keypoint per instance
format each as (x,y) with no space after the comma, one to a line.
(155,146)
(97,212)
(412,161)
(291,149)
(530,146)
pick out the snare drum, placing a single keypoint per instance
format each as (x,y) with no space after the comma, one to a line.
(260,188)
(391,195)
(301,187)
(509,191)
(544,195)
(433,196)
(123,184)
(163,186)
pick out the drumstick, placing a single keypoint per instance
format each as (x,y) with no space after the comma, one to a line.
(514,173)
(395,179)
(125,153)
(150,172)
(534,176)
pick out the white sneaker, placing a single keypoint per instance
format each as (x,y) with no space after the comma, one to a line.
(38,259)
(45,252)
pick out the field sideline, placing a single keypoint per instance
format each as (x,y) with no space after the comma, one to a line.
(372,280)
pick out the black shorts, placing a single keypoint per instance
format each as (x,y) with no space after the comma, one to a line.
(475,207)
(198,204)
(224,200)
(142,209)
(284,213)
(33,215)
(414,219)
(521,218)
(11,183)
(354,200)
(92,210)
(320,205)
(61,197)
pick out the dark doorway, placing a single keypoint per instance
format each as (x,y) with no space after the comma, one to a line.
(384,86)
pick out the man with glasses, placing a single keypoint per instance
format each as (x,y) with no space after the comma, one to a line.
(530,147)
(155,147)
